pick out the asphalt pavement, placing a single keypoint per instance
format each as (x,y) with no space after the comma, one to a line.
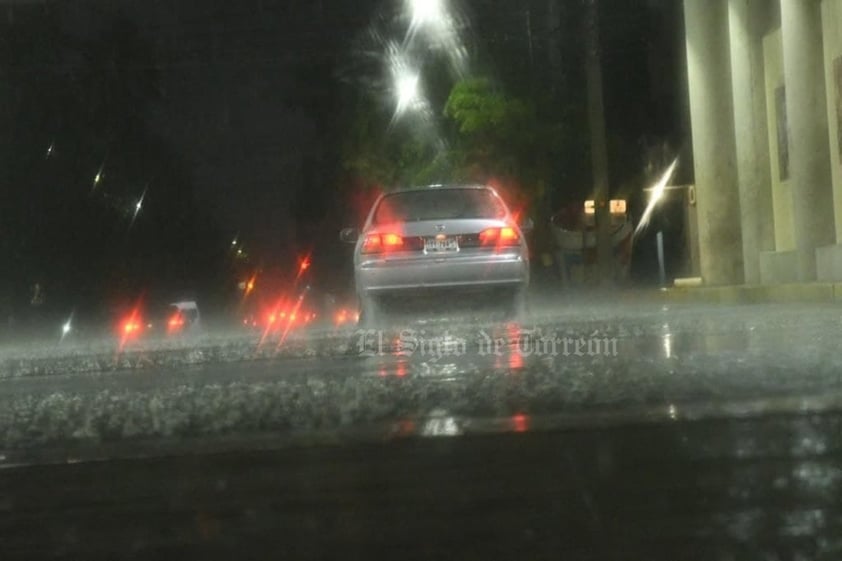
(592,429)
(569,357)
(760,488)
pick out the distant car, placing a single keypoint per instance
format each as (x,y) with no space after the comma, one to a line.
(183,318)
(283,313)
(171,320)
(439,237)
(283,299)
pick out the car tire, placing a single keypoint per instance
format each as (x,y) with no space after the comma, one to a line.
(370,311)
(518,305)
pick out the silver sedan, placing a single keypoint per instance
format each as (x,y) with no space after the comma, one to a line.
(439,237)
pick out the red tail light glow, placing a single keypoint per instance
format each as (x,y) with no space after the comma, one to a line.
(378,243)
(341,317)
(506,236)
(131,326)
(520,422)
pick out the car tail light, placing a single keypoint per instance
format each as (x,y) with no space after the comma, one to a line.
(132,326)
(341,317)
(506,236)
(176,322)
(378,243)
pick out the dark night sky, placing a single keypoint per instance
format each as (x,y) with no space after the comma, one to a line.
(249,88)
(234,105)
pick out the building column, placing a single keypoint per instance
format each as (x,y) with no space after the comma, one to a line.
(809,151)
(714,146)
(746,22)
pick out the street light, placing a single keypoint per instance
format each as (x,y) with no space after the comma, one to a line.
(656,193)
(438,22)
(66,328)
(406,89)
(138,206)
(426,12)
(405,79)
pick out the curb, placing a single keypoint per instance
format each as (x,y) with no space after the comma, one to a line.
(804,293)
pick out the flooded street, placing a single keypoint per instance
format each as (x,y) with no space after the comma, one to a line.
(586,359)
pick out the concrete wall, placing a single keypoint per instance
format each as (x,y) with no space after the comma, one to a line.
(832,33)
(781,189)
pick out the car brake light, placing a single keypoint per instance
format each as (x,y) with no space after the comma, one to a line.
(506,236)
(131,326)
(377,243)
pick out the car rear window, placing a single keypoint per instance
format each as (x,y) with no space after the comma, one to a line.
(438,204)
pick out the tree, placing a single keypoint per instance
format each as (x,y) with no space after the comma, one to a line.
(495,134)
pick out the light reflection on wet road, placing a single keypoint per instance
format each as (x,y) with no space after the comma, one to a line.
(635,432)
(579,360)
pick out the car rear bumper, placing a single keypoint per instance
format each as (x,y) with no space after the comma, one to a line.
(383,275)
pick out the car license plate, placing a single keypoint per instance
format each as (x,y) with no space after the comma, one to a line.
(441,244)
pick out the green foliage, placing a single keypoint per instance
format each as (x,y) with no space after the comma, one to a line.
(481,111)
(483,133)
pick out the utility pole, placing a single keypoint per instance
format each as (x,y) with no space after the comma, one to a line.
(599,150)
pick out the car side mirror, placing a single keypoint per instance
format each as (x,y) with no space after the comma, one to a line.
(349,235)
(527,225)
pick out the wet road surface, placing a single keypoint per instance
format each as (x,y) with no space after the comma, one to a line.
(760,488)
(584,358)
(584,432)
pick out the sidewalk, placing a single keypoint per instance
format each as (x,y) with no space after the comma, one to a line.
(816,292)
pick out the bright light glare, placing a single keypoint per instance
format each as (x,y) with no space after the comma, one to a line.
(138,206)
(66,328)
(406,87)
(657,193)
(405,81)
(438,23)
(426,11)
